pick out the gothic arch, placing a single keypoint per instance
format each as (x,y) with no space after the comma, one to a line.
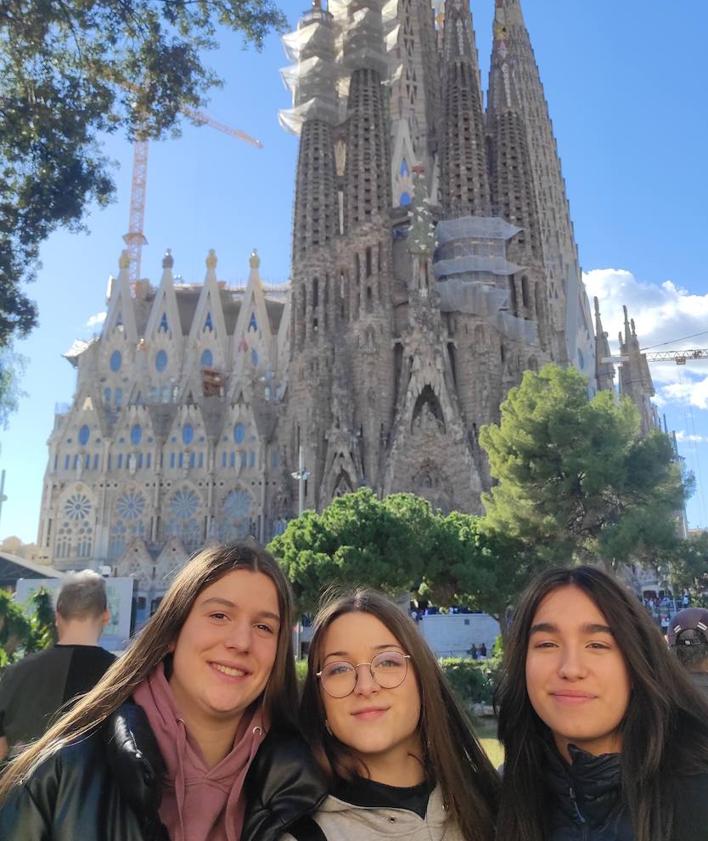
(183,515)
(427,399)
(75,518)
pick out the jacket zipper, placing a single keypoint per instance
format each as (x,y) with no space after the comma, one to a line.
(581,819)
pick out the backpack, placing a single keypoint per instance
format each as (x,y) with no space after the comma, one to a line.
(306,829)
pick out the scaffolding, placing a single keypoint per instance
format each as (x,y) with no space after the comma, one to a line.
(473,270)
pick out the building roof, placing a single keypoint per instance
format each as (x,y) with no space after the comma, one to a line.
(13,567)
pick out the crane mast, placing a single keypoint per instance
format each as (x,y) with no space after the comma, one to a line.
(135,238)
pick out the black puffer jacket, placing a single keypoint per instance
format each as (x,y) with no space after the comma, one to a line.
(107,787)
(587,803)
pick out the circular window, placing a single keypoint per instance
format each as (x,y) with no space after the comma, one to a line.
(136,434)
(187,434)
(161,360)
(84,434)
(207,358)
(116,360)
(239,433)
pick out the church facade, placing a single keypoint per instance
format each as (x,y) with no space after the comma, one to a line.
(433,261)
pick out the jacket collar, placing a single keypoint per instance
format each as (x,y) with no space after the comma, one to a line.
(135,759)
(587,790)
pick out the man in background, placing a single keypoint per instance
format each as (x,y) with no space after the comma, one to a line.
(688,638)
(38,687)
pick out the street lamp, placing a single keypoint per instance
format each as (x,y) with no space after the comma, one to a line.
(302,476)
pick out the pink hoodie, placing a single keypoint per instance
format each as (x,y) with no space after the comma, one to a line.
(198,803)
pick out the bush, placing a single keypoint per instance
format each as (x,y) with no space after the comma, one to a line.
(471,680)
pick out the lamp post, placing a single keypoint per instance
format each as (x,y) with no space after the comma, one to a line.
(302,476)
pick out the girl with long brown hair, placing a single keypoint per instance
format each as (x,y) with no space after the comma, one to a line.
(193,721)
(398,750)
(605,738)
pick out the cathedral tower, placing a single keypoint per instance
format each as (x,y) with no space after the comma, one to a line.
(464,184)
(514,66)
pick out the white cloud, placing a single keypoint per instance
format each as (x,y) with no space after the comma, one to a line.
(96,319)
(689,438)
(663,313)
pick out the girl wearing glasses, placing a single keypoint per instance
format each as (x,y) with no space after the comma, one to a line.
(605,738)
(384,726)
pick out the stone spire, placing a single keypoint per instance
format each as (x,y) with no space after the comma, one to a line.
(463,161)
(635,377)
(312,80)
(515,85)
(367,174)
(605,371)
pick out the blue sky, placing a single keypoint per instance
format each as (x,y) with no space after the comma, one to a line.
(625,83)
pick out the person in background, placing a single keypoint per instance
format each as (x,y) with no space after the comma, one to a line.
(190,734)
(37,688)
(605,738)
(688,639)
(399,752)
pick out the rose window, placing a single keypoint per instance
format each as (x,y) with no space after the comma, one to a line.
(184,504)
(77,507)
(130,505)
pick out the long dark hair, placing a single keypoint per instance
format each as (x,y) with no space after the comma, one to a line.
(153,645)
(664,730)
(453,755)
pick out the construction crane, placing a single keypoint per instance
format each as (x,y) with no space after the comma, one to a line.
(680,357)
(135,238)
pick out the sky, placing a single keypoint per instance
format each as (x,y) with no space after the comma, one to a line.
(625,82)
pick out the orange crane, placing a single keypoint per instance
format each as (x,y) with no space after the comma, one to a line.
(135,238)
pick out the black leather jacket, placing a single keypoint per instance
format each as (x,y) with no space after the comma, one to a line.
(587,804)
(107,787)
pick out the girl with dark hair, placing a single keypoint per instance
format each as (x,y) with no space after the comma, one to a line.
(190,734)
(385,728)
(605,738)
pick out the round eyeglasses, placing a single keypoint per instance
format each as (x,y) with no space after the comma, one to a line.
(388,670)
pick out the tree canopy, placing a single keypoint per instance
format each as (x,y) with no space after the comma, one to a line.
(400,544)
(70,70)
(575,478)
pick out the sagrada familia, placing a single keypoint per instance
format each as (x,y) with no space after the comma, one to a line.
(433,262)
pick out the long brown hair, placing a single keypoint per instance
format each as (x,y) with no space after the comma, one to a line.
(453,756)
(664,730)
(153,644)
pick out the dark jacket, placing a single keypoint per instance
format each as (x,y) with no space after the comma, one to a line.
(107,787)
(586,802)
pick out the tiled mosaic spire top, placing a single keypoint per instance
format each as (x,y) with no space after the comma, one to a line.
(464,183)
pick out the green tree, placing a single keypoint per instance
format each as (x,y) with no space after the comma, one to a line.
(70,70)
(687,567)
(12,365)
(479,567)
(24,630)
(359,540)
(575,478)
